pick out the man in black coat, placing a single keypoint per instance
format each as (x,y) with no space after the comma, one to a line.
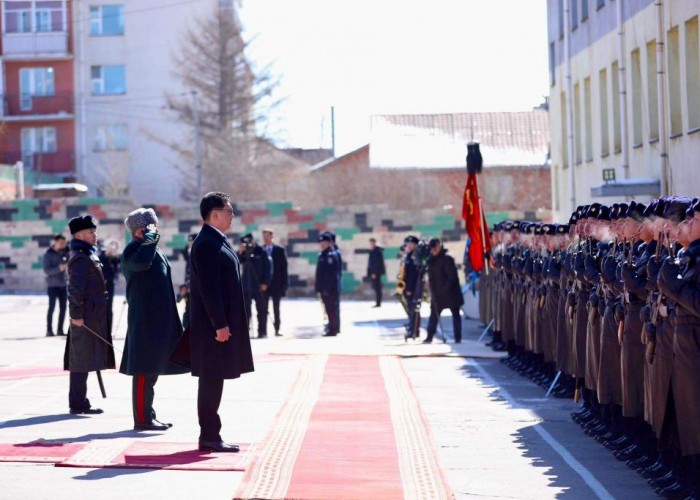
(154,323)
(376,269)
(220,344)
(328,283)
(89,343)
(55,260)
(257,276)
(445,292)
(280,278)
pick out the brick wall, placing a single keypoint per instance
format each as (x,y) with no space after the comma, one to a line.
(26,228)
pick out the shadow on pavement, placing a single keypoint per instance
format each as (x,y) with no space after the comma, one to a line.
(109,473)
(41,419)
(127,433)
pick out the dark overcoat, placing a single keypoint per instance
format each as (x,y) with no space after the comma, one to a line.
(216,301)
(87,300)
(445,291)
(153,323)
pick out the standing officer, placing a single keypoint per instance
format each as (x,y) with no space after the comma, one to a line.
(445,292)
(88,346)
(55,260)
(153,323)
(219,326)
(375,270)
(257,276)
(280,278)
(328,283)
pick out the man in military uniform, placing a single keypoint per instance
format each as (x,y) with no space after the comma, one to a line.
(328,282)
(89,343)
(54,263)
(257,276)
(375,270)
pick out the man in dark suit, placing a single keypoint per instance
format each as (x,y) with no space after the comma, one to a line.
(219,326)
(328,283)
(280,278)
(376,269)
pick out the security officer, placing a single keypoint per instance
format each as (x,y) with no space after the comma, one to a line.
(328,282)
(257,276)
(445,291)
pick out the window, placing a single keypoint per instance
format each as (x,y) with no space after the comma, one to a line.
(652,92)
(561,19)
(603,100)
(584,9)
(107,20)
(636,76)
(108,80)
(600,4)
(111,138)
(35,82)
(564,133)
(552,65)
(27,17)
(674,82)
(692,72)
(37,140)
(617,128)
(578,129)
(587,118)
(573,4)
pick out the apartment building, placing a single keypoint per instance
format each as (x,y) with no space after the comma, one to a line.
(624,100)
(36,83)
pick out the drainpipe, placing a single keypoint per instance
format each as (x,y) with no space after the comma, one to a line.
(80,91)
(622,89)
(661,97)
(569,105)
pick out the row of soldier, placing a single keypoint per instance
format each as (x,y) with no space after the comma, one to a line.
(607,307)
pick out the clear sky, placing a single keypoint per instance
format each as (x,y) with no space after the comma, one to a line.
(395,56)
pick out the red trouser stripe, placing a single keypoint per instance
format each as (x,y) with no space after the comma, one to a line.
(141,399)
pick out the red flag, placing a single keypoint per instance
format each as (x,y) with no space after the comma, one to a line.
(475,222)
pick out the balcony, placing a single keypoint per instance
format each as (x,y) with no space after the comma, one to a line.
(50,44)
(19,107)
(57,162)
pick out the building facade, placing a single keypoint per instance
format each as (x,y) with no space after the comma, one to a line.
(624,100)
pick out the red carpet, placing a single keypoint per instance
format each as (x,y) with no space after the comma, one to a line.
(30,372)
(135,454)
(351,428)
(38,451)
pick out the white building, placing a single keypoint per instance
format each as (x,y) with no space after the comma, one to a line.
(624,106)
(124,62)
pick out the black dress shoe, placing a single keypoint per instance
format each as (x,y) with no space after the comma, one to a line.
(60,333)
(167,424)
(329,334)
(218,446)
(153,426)
(427,341)
(262,335)
(278,334)
(641,463)
(675,490)
(49,333)
(654,471)
(664,481)
(86,411)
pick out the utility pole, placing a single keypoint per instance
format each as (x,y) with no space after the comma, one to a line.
(20,180)
(197,141)
(333,129)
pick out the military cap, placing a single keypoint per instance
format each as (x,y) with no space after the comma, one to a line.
(660,207)
(651,208)
(603,213)
(593,210)
(528,229)
(549,229)
(79,223)
(562,229)
(434,242)
(538,229)
(636,211)
(408,239)
(247,238)
(325,237)
(332,235)
(140,218)
(694,207)
(515,225)
(676,207)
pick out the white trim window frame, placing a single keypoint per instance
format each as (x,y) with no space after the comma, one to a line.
(35,82)
(112,137)
(33,16)
(107,20)
(108,80)
(37,140)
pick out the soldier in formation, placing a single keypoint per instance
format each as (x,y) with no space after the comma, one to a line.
(608,307)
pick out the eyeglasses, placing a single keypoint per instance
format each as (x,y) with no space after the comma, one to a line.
(227,209)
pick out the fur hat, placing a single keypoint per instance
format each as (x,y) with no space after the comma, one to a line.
(140,218)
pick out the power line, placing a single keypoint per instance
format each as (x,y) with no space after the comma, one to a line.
(77,20)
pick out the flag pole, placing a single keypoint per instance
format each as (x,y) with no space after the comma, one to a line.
(483,229)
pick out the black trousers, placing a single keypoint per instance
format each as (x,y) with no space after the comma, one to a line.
(261,308)
(434,319)
(331,303)
(142,394)
(377,287)
(77,391)
(276,299)
(208,401)
(56,293)
(110,302)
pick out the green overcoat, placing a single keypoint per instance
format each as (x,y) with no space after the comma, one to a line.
(154,325)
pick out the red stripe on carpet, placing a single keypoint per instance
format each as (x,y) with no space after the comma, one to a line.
(38,452)
(349,450)
(31,371)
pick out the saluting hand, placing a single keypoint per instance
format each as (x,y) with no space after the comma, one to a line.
(222,334)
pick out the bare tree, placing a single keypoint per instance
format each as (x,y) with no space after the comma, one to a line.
(227,103)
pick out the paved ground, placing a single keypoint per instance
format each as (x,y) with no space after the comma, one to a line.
(496,434)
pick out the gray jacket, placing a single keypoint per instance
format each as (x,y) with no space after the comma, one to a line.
(54,275)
